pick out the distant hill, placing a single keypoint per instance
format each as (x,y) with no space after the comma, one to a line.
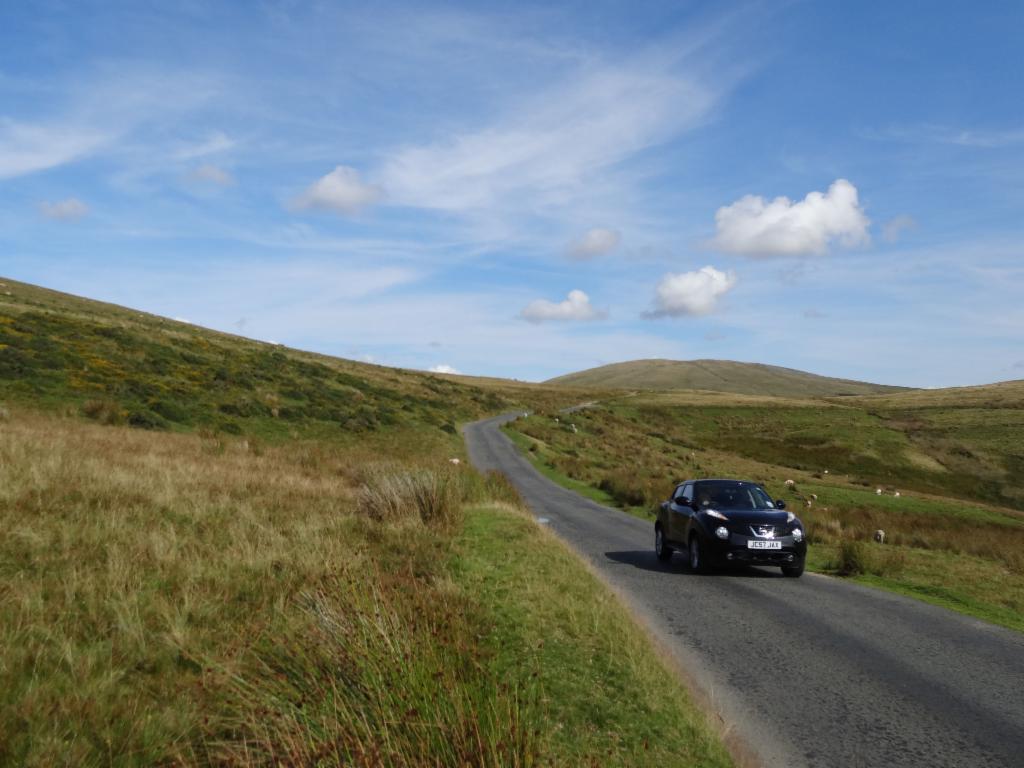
(718,376)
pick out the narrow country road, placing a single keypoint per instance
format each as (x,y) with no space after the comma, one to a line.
(806,672)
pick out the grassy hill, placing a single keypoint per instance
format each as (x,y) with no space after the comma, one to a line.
(717,376)
(222,552)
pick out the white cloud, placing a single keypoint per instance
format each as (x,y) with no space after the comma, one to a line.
(342,191)
(64,210)
(212,174)
(444,368)
(216,143)
(752,226)
(595,242)
(575,307)
(26,148)
(894,228)
(549,146)
(691,293)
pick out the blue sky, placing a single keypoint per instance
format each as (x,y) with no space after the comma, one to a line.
(525,190)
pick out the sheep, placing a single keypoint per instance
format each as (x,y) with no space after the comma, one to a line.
(814,496)
(573,427)
(897,494)
(790,483)
(878,491)
(808,503)
(880,536)
(826,471)
(456,462)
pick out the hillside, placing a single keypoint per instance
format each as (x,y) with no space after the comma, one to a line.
(218,551)
(717,376)
(116,365)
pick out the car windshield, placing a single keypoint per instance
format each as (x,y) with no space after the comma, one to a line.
(731,495)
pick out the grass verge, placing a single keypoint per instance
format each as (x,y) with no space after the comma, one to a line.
(606,697)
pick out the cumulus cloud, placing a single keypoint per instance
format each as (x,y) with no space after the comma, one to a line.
(213,174)
(64,210)
(894,228)
(444,368)
(595,242)
(575,307)
(691,293)
(753,226)
(342,191)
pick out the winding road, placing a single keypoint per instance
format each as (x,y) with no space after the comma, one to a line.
(804,672)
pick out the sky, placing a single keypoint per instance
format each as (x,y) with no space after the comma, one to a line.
(525,190)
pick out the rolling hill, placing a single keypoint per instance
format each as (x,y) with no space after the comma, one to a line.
(718,376)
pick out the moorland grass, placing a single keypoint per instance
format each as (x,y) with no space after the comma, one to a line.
(200,599)
(557,632)
(640,451)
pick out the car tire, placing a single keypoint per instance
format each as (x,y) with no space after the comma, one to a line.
(661,549)
(793,571)
(698,562)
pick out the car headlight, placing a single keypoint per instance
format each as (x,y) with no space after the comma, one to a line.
(798,535)
(715,514)
(722,532)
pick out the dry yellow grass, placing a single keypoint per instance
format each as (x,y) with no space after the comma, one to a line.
(161,594)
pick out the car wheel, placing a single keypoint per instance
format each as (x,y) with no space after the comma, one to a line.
(793,571)
(698,564)
(661,549)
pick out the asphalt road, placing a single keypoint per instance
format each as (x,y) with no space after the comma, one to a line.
(804,672)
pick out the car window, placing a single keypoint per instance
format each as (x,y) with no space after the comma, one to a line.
(731,495)
(688,490)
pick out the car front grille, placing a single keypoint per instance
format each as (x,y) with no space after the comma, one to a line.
(768,531)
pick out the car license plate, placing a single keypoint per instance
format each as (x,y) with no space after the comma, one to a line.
(764,545)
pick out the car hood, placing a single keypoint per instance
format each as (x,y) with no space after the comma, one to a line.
(756,516)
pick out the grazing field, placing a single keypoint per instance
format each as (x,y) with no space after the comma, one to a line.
(223,552)
(954,534)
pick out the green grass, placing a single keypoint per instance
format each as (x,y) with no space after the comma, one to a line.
(223,552)
(963,552)
(557,632)
(535,453)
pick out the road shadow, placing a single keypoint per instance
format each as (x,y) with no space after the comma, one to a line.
(646,560)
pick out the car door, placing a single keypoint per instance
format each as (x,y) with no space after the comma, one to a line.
(679,512)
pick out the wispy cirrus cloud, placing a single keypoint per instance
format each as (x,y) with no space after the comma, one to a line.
(549,146)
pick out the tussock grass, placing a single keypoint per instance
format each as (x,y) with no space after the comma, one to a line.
(186,599)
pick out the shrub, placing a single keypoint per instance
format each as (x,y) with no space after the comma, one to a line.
(852,559)
(143,418)
(434,497)
(624,489)
(103,411)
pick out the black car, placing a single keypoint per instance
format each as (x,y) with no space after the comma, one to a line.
(718,522)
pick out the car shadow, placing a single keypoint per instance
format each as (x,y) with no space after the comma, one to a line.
(646,560)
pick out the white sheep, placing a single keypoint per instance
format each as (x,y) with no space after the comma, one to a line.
(790,483)
(880,536)
(456,462)
(897,494)
(878,491)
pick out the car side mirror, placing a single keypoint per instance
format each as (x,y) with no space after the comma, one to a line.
(682,501)
(780,504)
